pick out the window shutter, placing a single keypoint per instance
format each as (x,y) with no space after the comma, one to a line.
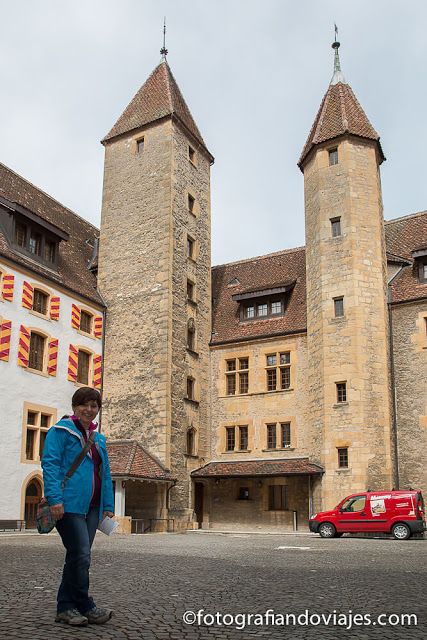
(97,371)
(72,363)
(23,346)
(75,316)
(54,307)
(8,286)
(5,331)
(27,295)
(52,363)
(98,327)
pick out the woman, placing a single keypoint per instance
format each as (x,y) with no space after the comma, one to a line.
(78,507)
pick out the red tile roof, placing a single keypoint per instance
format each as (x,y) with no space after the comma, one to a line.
(339,113)
(249,468)
(129,458)
(403,236)
(158,97)
(264,272)
(74,254)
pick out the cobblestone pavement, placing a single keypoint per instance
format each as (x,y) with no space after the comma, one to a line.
(151,580)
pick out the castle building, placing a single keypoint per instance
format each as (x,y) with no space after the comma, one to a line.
(249,394)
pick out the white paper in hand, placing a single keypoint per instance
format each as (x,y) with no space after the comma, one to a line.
(108,526)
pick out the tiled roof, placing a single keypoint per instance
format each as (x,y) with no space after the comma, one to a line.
(248,468)
(74,254)
(129,458)
(158,97)
(258,273)
(339,113)
(403,236)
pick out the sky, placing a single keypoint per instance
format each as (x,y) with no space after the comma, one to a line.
(253,74)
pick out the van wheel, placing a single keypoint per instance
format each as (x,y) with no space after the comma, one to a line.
(327,530)
(401,531)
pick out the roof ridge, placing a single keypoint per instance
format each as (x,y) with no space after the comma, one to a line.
(409,215)
(168,85)
(322,112)
(267,255)
(342,105)
(131,457)
(49,196)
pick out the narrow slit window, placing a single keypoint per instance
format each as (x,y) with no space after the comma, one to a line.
(333,156)
(336,227)
(140,145)
(339,307)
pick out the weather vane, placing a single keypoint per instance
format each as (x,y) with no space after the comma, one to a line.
(336,44)
(163,50)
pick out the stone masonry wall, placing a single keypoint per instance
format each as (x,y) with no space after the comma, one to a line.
(135,263)
(354,348)
(189,178)
(410,362)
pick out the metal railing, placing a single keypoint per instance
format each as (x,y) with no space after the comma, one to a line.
(139,525)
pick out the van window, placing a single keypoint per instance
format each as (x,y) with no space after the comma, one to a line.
(356,503)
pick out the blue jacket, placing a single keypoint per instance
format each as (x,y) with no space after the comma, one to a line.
(63,443)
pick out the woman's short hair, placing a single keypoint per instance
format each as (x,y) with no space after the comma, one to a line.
(86,394)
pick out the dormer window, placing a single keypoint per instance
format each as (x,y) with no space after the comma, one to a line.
(420,264)
(30,234)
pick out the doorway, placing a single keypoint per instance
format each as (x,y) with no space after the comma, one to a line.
(198,503)
(33,496)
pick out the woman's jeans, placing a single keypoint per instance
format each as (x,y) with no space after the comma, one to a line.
(77,532)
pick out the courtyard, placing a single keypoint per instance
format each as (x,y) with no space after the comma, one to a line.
(152,581)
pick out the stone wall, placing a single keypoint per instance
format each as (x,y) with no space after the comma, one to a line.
(260,407)
(352,348)
(409,323)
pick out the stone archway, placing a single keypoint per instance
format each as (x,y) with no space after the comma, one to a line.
(33,494)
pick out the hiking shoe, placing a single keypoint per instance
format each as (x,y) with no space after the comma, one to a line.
(97,615)
(73,617)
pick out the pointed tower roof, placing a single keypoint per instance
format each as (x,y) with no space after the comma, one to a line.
(339,113)
(158,97)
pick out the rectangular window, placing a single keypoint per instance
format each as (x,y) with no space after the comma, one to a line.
(271,379)
(190,290)
(85,322)
(336,227)
(140,145)
(230,438)
(423,272)
(20,234)
(343,458)
(341,391)
(243,493)
(339,307)
(243,438)
(191,202)
(271,360)
(29,444)
(190,247)
(191,154)
(36,354)
(36,426)
(333,156)
(271,436)
(231,377)
(262,310)
(41,442)
(49,251)
(40,300)
(190,388)
(277,497)
(285,370)
(285,433)
(83,362)
(243,375)
(276,307)
(35,245)
(249,312)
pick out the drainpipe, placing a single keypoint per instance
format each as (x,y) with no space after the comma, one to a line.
(393,385)
(104,328)
(168,491)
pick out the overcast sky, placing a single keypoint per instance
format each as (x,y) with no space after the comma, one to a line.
(253,74)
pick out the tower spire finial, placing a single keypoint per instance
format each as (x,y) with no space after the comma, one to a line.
(338,74)
(163,50)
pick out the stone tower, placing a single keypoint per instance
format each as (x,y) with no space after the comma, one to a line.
(347,324)
(154,274)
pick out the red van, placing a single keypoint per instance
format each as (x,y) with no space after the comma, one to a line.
(398,512)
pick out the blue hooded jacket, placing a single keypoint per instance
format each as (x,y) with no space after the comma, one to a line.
(62,445)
